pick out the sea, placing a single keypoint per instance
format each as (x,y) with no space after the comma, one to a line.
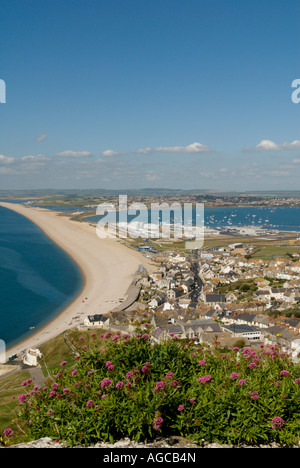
(37,278)
(269,218)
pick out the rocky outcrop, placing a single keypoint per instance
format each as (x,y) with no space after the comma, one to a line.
(171,442)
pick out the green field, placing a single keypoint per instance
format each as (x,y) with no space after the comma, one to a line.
(10,388)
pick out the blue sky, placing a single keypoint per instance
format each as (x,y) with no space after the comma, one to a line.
(115,94)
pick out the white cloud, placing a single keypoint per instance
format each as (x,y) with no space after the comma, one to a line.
(110,153)
(73,154)
(268,145)
(6,159)
(192,148)
(41,137)
(31,158)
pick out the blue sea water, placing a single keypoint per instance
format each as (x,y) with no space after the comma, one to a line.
(273,218)
(37,278)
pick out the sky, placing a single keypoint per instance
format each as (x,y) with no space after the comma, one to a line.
(192,94)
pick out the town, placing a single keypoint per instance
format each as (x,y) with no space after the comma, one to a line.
(220,295)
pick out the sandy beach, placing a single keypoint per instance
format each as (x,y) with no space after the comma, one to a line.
(107,267)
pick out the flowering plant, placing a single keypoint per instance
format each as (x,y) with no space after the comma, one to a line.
(140,390)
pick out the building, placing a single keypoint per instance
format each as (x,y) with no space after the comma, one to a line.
(31,356)
(97,320)
(244,331)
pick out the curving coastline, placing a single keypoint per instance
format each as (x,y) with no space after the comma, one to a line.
(107,268)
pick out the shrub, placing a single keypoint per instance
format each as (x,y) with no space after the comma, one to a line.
(142,390)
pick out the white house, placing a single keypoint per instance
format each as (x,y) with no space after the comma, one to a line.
(97,320)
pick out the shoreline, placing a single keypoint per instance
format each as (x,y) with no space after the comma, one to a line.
(106,266)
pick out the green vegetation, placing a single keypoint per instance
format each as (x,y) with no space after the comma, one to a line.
(269,252)
(242,288)
(123,386)
(10,388)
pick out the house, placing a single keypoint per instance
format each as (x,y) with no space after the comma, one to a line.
(157,301)
(97,320)
(167,331)
(244,331)
(175,292)
(281,335)
(244,318)
(231,297)
(214,298)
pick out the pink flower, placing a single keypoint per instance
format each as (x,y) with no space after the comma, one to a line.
(242,382)
(204,379)
(74,372)
(8,432)
(192,400)
(254,395)
(157,423)
(297,381)
(234,375)
(119,385)
(105,383)
(129,375)
(180,408)
(277,423)
(26,382)
(159,420)
(174,383)
(145,336)
(50,412)
(251,365)
(284,372)
(202,363)
(115,337)
(90,403)
(111,367)
(169,375)
(63,363)
(159,386)
(108,363)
